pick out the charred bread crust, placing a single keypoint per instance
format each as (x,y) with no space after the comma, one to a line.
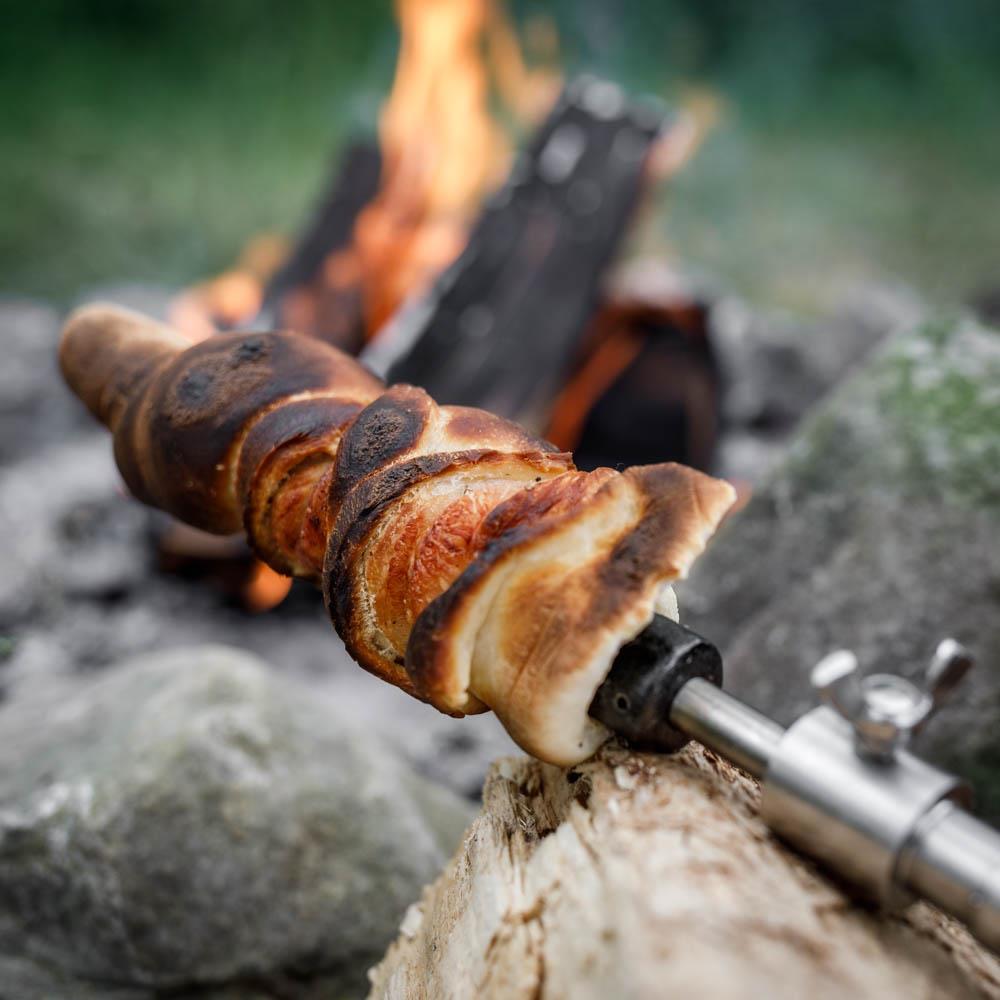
(599,604)
(360,515)
(179,439)
(282,461)
(385,432)
(304,424)
(405,423)
(467,425)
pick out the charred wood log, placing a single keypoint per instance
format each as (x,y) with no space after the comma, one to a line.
(299,295)
(646,388)
(501,325)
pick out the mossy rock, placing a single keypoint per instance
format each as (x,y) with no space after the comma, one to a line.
(879,532)
(192,824)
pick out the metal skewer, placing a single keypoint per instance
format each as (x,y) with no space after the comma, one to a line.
(733,730)
(839,784)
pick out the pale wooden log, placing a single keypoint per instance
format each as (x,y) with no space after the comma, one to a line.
(639,876)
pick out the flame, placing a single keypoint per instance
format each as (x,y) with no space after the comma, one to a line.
(442,147)
(439,141)
(264,588)
(528,91)
(462,68)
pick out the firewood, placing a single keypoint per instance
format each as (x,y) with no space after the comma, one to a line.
(301,294)
(642,876)
(645,389)
(501,326)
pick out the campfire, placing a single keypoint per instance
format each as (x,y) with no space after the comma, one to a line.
(399,210)
(495,462)
(437,255)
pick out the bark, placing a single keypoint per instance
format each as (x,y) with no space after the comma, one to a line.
(637,876)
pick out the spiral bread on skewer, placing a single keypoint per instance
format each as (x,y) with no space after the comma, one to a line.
(460,558)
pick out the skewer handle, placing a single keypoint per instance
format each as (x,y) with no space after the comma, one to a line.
(872,827)
(838,784)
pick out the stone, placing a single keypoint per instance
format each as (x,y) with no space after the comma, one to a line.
(776,366)
(31,413)
(70,531)
(879,532)
(192,823)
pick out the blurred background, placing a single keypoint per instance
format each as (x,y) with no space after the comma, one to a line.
(148,141)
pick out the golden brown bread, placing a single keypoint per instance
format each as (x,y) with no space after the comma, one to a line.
(461,558)
(562,579)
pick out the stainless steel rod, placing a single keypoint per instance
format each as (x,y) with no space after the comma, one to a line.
(723,724)
(953,860)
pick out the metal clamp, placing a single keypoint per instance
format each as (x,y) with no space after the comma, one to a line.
(841,785)
(886,710)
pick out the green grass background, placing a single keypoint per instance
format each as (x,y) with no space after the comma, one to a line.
(146,139)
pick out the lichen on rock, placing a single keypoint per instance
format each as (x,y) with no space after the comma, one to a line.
(880,532)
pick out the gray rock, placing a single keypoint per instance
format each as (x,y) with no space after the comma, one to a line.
(188,822)
(69,530)
(776,366)
(31,414)
(880,532)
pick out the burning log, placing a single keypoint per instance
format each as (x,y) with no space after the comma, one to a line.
(317,290)
(643,876)
(395,215)
(501,325)
(646,387)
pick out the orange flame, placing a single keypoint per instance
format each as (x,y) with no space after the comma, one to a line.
(442,147)
(265,589)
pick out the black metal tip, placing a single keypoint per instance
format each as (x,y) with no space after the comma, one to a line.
(636,696)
